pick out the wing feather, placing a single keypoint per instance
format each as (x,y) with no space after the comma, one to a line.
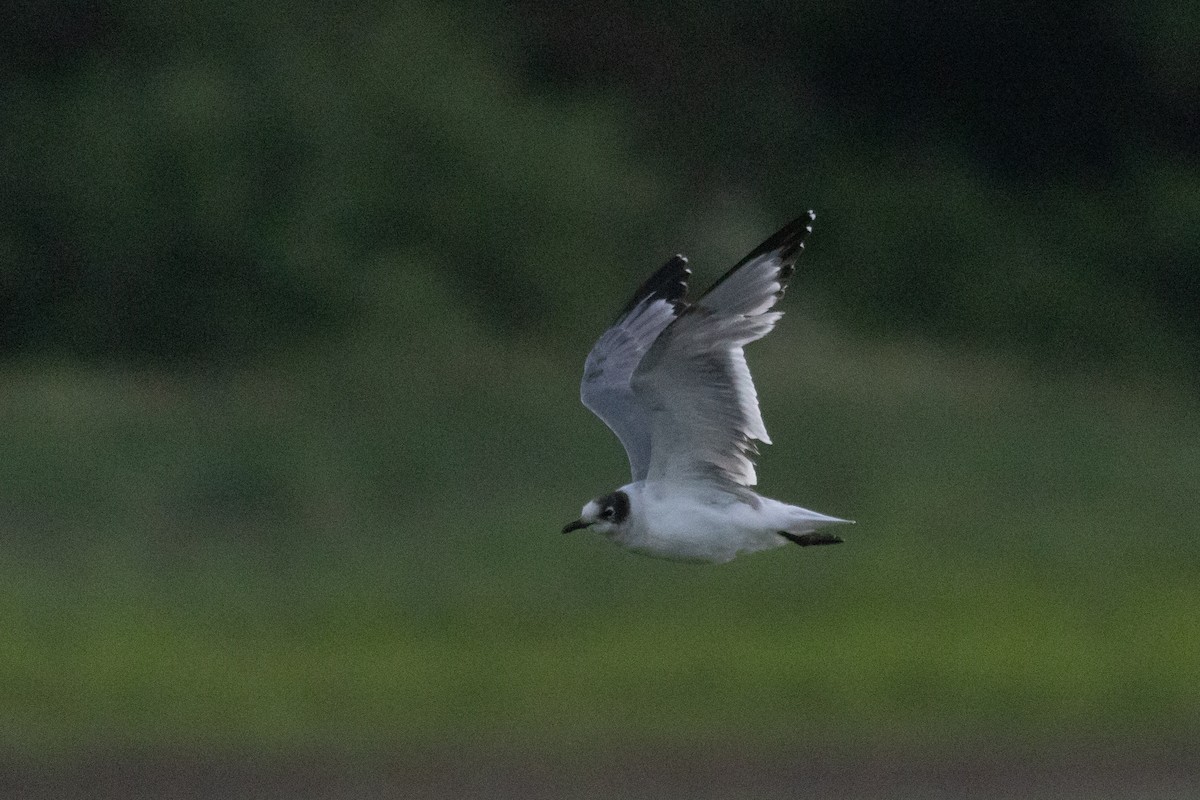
(704,419)
(610,365)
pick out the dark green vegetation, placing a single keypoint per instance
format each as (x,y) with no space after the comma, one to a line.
(294,305)
(203,182)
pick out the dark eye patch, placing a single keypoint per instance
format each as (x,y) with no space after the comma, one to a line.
(615,505)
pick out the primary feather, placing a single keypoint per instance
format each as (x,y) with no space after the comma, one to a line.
(607,374)
(671,379)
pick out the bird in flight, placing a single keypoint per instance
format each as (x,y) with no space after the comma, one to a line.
(670,379)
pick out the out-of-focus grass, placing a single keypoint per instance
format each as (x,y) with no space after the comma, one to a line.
(358,547)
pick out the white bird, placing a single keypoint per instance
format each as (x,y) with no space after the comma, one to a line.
(670,379)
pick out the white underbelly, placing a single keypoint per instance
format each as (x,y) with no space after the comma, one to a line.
(704,531)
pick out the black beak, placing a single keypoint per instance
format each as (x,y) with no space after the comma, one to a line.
(577,525)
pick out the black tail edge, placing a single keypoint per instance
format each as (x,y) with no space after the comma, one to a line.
(810,539)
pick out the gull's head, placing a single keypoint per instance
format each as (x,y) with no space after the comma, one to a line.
(606,514)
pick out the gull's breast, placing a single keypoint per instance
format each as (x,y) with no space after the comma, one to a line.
(685,525)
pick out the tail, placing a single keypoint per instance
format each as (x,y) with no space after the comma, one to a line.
(803,526)
(807,539)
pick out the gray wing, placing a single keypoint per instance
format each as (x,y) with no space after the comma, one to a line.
(703,408)
(609,368)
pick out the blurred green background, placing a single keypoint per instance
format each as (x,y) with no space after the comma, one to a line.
(294,301)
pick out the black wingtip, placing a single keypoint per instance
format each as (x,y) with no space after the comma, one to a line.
(669,283)
(786,243)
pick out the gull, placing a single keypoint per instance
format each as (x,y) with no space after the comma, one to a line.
(671,381)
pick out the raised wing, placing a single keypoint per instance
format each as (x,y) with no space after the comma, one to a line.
(703,408)
(610,365)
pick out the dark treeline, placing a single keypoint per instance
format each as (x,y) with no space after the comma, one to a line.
(199,181)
